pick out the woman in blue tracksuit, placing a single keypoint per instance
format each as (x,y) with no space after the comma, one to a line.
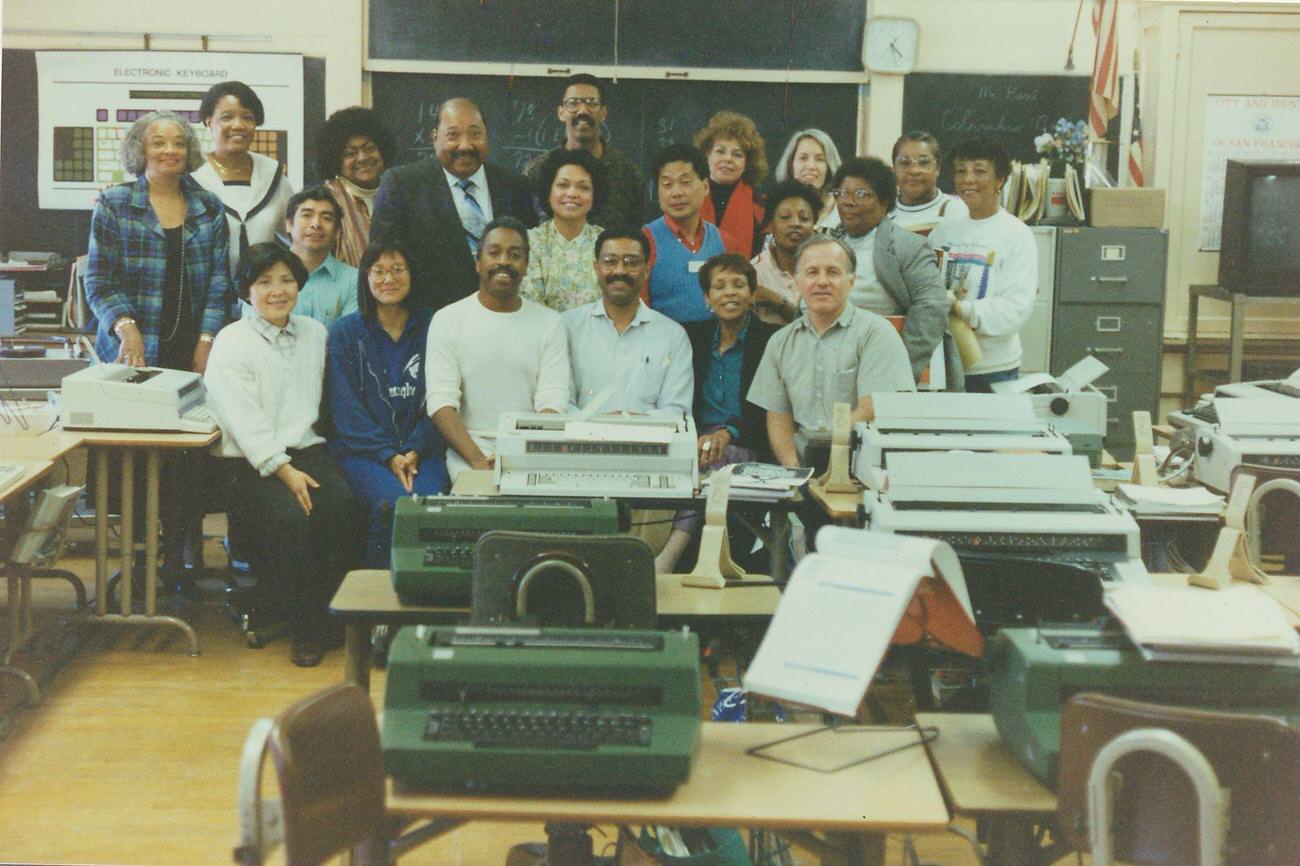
(384,440)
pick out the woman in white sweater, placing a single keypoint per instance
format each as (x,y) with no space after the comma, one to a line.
(264,379)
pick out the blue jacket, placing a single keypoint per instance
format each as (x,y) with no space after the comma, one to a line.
(376,389)
(128,264)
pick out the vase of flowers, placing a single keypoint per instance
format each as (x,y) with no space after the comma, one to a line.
(1065,144)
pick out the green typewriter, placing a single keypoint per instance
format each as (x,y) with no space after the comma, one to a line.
(434,536)
(541,710)
(1034,671)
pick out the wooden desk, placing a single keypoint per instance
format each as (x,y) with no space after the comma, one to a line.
(855,807)
(776,538)
(366,598)
(981,779)
(1282,588)
(840,507)
(19,579)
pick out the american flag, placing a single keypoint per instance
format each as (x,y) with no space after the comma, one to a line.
(1105,70)
(1135,141)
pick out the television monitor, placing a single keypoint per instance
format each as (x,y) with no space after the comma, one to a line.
(1259,253)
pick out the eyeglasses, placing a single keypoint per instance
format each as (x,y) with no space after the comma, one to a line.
(380,274)
(921,162)
(861,194)
(573,103)
(367,149)
(630,261)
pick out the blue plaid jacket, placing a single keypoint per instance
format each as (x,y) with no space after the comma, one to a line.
(128,263)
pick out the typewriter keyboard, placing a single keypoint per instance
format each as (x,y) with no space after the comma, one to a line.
(547,729)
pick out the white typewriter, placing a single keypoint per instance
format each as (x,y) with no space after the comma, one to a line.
(641,456)
(1069,397)
(119,397)
(1033,505)
(1260,433)
(908,422)
(1286,388)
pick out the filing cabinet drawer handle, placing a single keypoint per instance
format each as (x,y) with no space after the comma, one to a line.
(1110,281)
(1105,350)
(1109,324)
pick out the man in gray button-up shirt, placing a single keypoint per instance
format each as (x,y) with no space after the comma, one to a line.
(833,353)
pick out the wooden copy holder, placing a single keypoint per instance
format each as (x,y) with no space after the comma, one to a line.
(836,478)
(1144,458)
(1231,558)
(714,566)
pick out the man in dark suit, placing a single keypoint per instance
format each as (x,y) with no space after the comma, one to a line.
(438,210)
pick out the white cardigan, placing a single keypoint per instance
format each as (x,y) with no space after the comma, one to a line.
(263,403)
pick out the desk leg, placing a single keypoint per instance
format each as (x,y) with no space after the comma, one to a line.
(779,547)
(356,669)
(126,495)
(1011,842)
(1237,338)
(842,849)
(19,581)
(151,459)
(1189,365)
(101,531)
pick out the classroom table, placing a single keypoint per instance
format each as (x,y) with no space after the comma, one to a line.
(853,807)
(844,508)
(982,779)
(127,443)
(366,599)
(775,537)
(19,579)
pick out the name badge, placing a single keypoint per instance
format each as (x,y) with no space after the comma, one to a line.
(694,267)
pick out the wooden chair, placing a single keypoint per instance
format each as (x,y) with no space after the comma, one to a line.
(1146,799)
(331,779)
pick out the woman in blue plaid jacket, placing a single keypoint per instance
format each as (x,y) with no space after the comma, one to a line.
(158,277)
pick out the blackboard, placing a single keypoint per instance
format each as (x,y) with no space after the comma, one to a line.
(741,34)
(24,226)
(644,114)
(1011,108)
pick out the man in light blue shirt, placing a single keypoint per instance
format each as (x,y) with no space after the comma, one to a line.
(311,221)
(619,345)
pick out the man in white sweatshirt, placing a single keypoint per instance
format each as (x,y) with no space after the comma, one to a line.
(493,352)
(988,261)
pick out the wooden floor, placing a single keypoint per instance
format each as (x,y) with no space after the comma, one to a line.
(132,757)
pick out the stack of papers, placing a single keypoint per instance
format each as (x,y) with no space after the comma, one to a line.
(1238,625)
(763,482)
(1144,501)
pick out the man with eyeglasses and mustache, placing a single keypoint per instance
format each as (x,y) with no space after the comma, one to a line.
(582,110)
(920,203)
(493,352)
(438,208)
(620,345)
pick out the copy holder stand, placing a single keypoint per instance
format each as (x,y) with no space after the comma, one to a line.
(1144,458)
(714,567)
(836,478)
(1238,542)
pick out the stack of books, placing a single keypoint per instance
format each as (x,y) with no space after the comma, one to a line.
(762,482)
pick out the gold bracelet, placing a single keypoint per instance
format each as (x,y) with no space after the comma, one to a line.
(122,323)
(206,338)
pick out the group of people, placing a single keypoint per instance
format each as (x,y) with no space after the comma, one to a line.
(370,354)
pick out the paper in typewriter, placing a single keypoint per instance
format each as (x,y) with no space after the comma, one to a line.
(839,613)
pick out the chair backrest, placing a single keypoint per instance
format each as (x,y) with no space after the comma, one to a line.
(1257,758)
(331,779)
(599,581)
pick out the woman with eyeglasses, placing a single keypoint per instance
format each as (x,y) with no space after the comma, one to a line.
(920,203)
(384,441)
(811,157)
(897,274)
(737,165)
(355,148)
(561,249)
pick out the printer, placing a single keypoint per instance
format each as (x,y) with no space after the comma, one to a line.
(527,709)
(1035,538)
(1261,433)
(119,397)
(1070,402)
(642,456)
(434,536)
(30,370)
(911,422)
(1032,672)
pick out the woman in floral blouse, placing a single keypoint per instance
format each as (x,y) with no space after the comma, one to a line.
(561,263)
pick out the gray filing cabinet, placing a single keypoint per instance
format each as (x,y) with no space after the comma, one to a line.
(1036,335)
(1110,295)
